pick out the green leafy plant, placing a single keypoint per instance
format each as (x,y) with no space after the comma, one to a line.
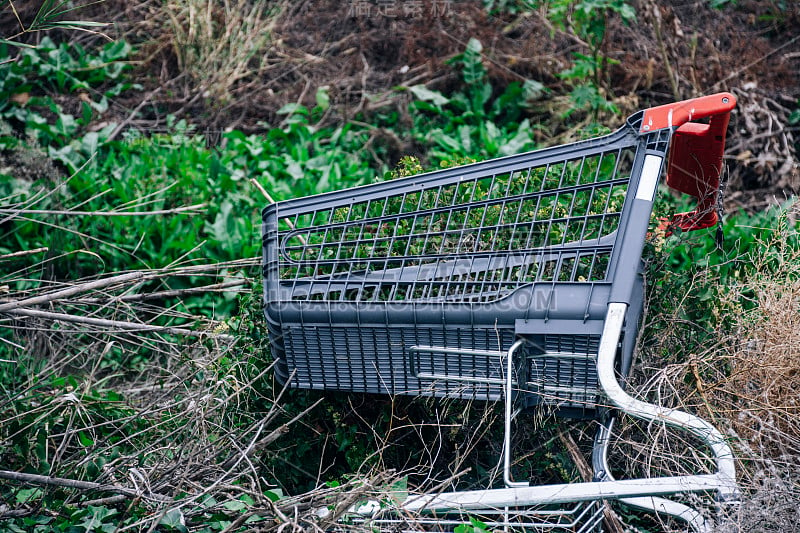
(588,20)
(408,165)
(512,7)
(33,116)
(587,95)
(465,124)
(474,526)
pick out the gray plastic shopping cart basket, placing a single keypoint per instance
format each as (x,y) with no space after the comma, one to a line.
(516,279)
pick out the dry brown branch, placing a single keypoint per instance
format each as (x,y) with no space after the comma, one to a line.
(117,325)
(185,209)
(23,253)
(71,291)
(35,479)
(610,518)
(157,295)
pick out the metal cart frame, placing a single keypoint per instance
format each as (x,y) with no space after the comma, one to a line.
(517,280)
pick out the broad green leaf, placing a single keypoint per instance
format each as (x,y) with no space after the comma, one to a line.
(398,492)
(28,495)
(427,95)
(274,494)
(223,229)
(627,12)
(294,169)
(292,108)
(234,505)
(447,142)
(85,439)
(174,519)
(95,516)
(474,71)
(520,142)
(492,131)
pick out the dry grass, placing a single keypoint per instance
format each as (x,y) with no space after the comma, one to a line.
(745,380)
(116,398)
(760,396)
(179,434)
(220,43)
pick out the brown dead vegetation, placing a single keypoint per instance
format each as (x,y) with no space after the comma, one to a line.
(360,52)
(233,64)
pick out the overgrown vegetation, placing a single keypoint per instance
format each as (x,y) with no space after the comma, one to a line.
(726,349)
(134,369)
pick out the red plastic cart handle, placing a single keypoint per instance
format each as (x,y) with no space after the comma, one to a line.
(695,158)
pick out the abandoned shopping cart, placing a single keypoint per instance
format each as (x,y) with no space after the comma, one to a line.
(517,280)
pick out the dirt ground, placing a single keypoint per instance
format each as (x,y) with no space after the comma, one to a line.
(360,50)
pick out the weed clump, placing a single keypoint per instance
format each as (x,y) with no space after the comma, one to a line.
(729,350)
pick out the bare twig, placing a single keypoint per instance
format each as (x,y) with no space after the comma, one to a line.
(612,521)
(269,198)
(36,198)
(177,210)
(111,500)
(118,324)
(35,479)
(23,253)
(128,298)
(71,291)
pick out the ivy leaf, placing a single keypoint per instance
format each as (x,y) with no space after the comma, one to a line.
(27,495)
(174,519)
(95,518)
(234,505)
(274,494)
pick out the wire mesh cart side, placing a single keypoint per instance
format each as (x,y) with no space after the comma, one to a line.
(423,284)
(515,279)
